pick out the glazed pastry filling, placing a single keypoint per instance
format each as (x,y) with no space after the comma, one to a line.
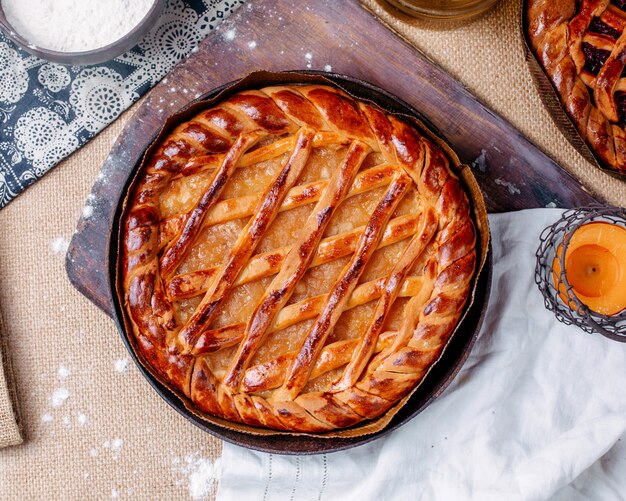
(295,259)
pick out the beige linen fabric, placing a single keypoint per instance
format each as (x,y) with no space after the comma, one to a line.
(10,432)
(94,428)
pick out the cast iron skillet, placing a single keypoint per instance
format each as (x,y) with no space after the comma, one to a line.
(437,379)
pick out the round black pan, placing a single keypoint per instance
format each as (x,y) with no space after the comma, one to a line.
(437,379)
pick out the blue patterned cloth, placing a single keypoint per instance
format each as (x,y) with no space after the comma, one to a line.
(48,110)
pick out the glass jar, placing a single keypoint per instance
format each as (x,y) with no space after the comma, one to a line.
(443,9)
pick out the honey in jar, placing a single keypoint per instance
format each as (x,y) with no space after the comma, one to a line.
(452,9)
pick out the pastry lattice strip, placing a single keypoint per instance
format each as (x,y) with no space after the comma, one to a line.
(250,236)
(236,208)
(296,262)
(268,263)
(230,335)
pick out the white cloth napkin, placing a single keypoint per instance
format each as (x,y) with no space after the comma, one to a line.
(537,412)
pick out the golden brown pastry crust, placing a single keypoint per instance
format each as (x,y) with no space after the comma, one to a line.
(370,368)
(582,47)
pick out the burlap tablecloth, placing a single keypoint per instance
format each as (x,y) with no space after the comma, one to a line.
(94,429)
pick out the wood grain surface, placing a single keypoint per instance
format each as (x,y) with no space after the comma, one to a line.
(343,38)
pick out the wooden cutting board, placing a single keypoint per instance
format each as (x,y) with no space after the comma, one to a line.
(327,35)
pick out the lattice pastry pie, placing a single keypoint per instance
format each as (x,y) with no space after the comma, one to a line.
(295,259)
(582,47)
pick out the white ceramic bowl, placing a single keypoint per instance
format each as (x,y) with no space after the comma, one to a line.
(93,56)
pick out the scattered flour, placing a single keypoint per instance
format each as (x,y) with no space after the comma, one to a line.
(252,45)
(513,190)
(551,205)
(89,208)
(82,419)
(328,68)
(93,452)
(66,420)
(121,365)
(199,474)
(114,494)
(230,34)
(47,418)
(117,444)
(63,372)
(87,211)
(59,397)
(59,245)
(481,161)
(114,446)
(309,57)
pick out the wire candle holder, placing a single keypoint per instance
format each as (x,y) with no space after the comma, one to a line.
(553,282)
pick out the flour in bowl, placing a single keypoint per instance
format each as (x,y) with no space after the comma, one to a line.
(74,25)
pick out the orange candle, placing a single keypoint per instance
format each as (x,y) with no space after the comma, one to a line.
(595,267)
